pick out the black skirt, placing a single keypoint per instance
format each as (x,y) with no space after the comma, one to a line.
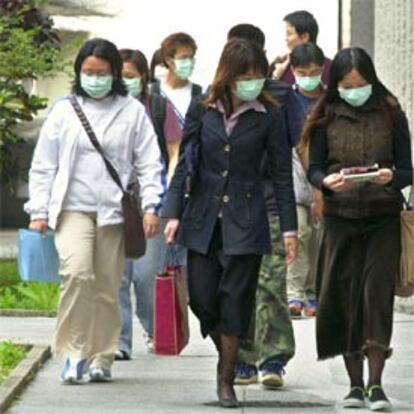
(222,288)
(357,268)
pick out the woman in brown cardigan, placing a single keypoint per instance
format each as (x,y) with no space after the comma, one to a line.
(358,122)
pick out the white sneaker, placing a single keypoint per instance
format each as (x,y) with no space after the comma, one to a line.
(72,372)
(97,374)
(149,343)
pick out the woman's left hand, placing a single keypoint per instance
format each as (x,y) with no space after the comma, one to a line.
(385,176)
(291,248)
(151,223)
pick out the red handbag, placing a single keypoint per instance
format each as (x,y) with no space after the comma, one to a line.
(171,329)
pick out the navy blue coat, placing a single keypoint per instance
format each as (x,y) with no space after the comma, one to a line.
(229,181)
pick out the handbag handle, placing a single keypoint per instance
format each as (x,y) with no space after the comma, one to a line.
(171,257)
(91,134)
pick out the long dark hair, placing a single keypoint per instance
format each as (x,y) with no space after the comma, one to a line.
(239,56)
(138,59)
(343,63)
(103,49)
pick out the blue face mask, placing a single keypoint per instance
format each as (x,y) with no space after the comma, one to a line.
(96,87)
(356,96)
(249,90)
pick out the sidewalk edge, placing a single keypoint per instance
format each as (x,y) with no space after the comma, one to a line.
(21,376)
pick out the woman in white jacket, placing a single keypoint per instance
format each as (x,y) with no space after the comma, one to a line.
(72,192)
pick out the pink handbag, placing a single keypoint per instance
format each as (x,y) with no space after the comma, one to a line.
(171,330)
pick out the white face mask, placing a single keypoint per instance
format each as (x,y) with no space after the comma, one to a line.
(160,72)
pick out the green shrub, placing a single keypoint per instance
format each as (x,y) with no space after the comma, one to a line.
(40,296)
(15,294)
(30,295)
(10,355)
(29,49)
(9,274)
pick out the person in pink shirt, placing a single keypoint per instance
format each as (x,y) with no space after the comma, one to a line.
(140,273)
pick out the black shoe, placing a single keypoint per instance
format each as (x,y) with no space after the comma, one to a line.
(377,400)
(121,355)
(355,398)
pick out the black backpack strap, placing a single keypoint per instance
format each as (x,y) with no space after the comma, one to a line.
(158,111)
(155,87)
(91,134)
(196,90)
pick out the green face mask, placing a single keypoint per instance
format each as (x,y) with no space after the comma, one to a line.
(134,86)
(356,96)
(96,86)
(249,90)
(160,72)
(184,68)
(308,83)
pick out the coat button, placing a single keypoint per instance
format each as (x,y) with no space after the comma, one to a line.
(227,148)
(225,173)
(226,199)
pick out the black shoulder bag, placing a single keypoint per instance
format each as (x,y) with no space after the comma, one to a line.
(135,243)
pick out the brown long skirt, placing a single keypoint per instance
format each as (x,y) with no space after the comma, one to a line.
(357,269)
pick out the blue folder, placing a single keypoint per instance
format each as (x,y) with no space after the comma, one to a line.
(38,259)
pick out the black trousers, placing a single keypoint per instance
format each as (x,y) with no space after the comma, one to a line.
(222,288)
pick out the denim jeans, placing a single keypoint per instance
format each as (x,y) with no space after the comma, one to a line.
(141,273)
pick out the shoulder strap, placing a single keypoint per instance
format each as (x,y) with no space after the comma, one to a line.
(158,107)
(158,112)
(155,87)
(196,90)
(89,131)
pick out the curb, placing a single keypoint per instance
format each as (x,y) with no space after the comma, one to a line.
(27,313)
(405,305)
(20,377)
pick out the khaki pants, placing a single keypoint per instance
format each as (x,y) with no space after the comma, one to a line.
(301,273)
(91,265)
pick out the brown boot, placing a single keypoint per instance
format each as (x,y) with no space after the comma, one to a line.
(225,390)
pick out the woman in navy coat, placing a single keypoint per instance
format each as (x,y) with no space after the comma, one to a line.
(223,220)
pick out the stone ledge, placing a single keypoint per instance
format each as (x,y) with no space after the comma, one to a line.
(20,377)
(27,313)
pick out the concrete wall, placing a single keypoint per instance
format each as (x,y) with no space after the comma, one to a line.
(83,7)
(394,59)
(394,49)
(362,30)
(358,20)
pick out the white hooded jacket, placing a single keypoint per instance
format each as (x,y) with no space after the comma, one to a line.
(128,141)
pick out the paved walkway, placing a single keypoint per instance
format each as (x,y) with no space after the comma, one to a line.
(185,384)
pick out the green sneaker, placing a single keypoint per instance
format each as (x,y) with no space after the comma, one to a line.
(377,400)
(355,398)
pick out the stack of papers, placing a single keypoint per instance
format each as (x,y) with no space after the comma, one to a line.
(361,174)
